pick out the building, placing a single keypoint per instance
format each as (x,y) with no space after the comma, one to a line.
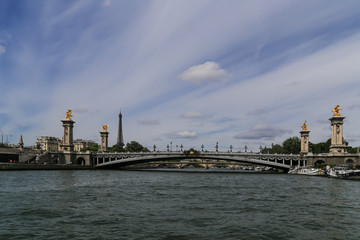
(79,144)
(48,144)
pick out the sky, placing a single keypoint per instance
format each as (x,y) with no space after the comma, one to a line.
(181,72)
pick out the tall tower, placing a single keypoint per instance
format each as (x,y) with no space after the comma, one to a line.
(304,139)
(120,138)
(104,138)
(337,141)
(21,142)
(67,141)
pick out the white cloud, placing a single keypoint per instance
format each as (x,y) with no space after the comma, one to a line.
(258,112)
(184,134)
(193,115)
(262,131)
(107,3)
(149,122)
(2,49)
(81,110)
(207,72)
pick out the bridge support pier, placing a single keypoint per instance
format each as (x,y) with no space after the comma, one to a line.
(104,141)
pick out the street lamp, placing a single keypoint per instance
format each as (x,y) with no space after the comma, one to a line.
(231,148)
(2,137)
(217,147)
(181,147)
(246,147)
(202,147)
(7,138)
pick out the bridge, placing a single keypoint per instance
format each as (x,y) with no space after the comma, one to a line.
(117,160)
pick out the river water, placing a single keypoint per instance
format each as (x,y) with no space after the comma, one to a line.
(176,205)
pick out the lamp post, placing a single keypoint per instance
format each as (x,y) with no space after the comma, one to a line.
(7,138)
(2,137)
(246,148)
(170,146)
(217,147)
(231,148)
(202,147)
(167,146)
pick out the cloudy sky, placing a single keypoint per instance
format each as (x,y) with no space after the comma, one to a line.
(187,72)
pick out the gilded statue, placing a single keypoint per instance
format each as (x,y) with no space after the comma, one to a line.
(105,127)
(336,110)
(304,126)
(68,114)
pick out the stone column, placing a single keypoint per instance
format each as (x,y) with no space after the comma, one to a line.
(304,142)
(104,141)
(337,141)
(67,141)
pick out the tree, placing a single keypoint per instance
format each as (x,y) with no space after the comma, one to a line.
(321,147)
(134,146)
(292,145)
(116,148)
(95,147)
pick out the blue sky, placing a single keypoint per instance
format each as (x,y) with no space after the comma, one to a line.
(187,72)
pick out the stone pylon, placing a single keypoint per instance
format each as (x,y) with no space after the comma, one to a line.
(104,139)
(304,133)
(21,142)
(337,141)
(67,144)
(120,137)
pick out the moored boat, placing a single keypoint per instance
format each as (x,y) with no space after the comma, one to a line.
(307,171)
(343,173)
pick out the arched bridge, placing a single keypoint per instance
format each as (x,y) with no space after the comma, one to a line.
(116,160)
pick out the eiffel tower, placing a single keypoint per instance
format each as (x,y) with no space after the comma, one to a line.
(120,138)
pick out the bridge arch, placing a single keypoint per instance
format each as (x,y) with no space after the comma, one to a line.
(106,160)
(350,163)
(80,161)
(319,163)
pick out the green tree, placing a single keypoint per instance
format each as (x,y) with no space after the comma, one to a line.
(134,146)
(321,147)
(94,148)
(292,145)
(275,148)
(116,148)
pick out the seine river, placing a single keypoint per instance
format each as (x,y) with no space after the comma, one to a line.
(176,205)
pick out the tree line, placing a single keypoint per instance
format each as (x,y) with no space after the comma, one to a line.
(292,145)
(132,146)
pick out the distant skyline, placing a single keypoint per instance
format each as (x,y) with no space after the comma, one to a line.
(187,72)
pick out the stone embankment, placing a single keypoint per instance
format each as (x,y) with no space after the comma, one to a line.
(21,166)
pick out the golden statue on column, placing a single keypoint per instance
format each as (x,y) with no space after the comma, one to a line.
(105,127)
(68,114)
(336,111)
(304,126)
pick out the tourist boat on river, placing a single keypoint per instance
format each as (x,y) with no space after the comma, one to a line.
(307,171)
(343,173)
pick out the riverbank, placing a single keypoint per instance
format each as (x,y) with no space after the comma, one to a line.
(24,166)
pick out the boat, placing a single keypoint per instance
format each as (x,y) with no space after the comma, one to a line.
(343,173)
(307,171)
